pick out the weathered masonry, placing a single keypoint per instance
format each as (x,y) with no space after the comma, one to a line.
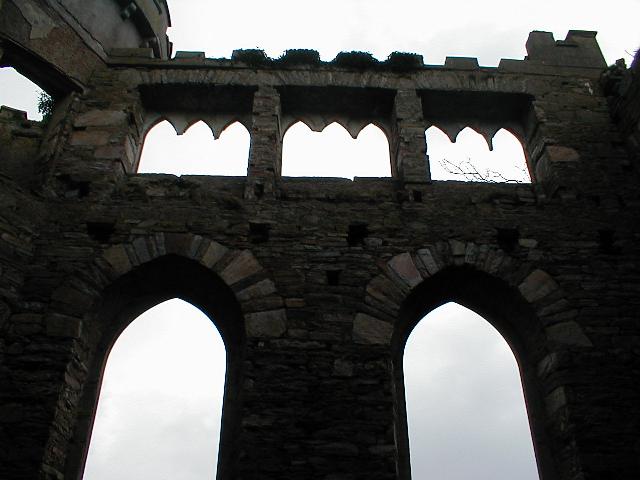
(314,284)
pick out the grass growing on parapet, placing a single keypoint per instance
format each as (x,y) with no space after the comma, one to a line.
(300,56)
(46,104)
(402,61)
(253,57)
(360,60)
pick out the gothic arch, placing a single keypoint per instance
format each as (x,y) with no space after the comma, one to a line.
(229,286)
(523,303)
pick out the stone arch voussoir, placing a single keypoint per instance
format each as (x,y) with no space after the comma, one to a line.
(403,272)
(261,305)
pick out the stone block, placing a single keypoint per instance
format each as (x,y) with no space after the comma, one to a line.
(470,253)
(568,333)
(270,324)
(190,55)
(370,330)
(5,312)
(63,326)
(458,248)
(242,266)
(26,323)
(117,257)
(72,296)
(461,63)
(141,250)
(178,243)
(557,153)
(109,152)
(100,118)
(402,265)
(270,302)
(89,138)
(556,400)
(342,368)
(294,302)
(131,52)
(537,285)
(547,365)
(382,289)
(257,290)
(213,254)
(428,260)
(527,242)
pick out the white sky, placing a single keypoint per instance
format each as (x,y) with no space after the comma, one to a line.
(161,400)
(464,399)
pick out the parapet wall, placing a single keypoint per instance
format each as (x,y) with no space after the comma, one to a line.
(315,284)
(622,88)
(20,141)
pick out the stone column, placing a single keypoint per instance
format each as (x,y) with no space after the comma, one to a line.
(265,153)
(410,162)
(569,143)
(98,140)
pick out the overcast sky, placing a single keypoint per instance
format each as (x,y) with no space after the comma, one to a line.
(466,414)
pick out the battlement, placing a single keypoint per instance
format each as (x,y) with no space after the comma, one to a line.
(546,55)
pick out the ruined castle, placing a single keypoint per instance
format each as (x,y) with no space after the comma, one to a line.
(314,284)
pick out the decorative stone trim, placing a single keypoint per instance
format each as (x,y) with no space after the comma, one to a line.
(239,269)
(386,292)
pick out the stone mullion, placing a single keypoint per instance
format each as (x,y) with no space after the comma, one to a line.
(411,161)
(265,154)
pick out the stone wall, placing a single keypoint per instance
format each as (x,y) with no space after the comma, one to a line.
(622,88)
(315,284)
(20,141)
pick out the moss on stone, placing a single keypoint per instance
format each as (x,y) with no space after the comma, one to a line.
(300,56)
(254,57)
(360,60)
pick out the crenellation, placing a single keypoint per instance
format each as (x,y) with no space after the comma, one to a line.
(578,54)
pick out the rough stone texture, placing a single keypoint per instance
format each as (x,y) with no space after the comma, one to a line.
(266,324)
(367,329)
(315,284)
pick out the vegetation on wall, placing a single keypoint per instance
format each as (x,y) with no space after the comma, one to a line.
(46,105)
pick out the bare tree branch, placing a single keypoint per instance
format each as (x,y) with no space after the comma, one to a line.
(470,172)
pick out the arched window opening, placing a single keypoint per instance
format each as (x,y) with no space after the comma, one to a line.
(466,414)
(160,403)
(334,153)
(20,93)
(195,152)
(469,158)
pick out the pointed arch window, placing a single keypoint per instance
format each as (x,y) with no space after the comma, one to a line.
(470,157)
(466,413)
(334,153)
(160,402)
(196,151)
